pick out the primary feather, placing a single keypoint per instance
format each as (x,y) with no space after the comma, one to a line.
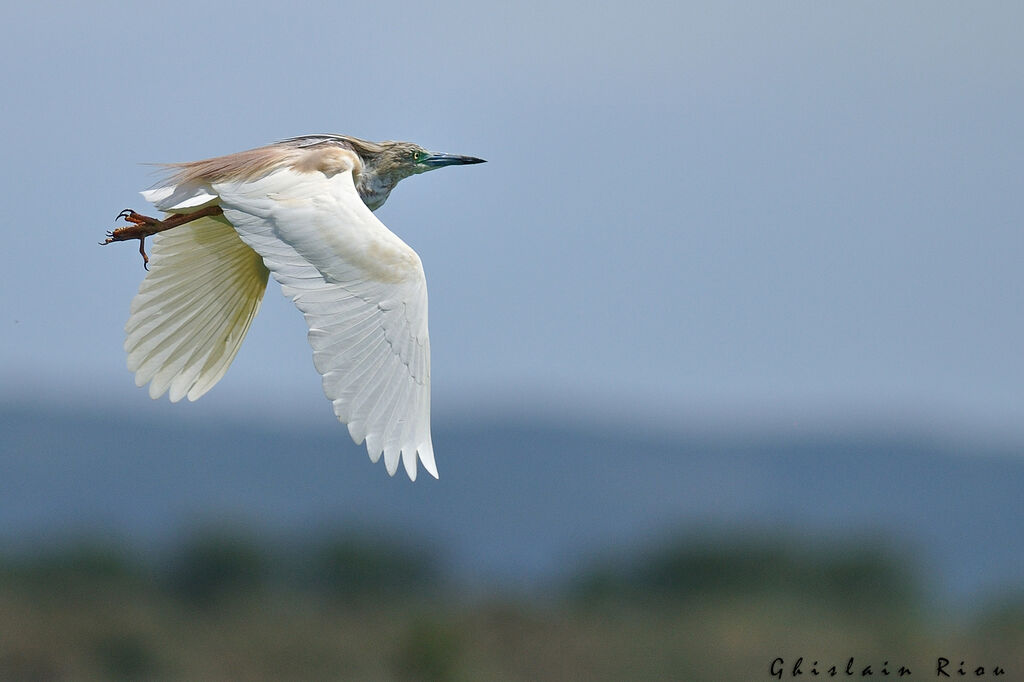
(193,308)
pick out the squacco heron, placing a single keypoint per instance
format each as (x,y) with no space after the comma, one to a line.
(300,209)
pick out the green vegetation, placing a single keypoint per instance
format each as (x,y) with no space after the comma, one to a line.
(222,606)
(850,577)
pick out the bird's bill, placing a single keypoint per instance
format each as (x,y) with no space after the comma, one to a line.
(436,160)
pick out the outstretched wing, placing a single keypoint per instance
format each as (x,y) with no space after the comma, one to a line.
(362,291)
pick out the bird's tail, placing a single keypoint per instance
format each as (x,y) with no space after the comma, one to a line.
(193,308)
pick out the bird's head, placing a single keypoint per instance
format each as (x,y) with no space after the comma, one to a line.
(385,164)
(399,160)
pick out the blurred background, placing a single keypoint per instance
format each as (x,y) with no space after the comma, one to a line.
(726,337)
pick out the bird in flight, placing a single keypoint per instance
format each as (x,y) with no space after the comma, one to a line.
(301,210)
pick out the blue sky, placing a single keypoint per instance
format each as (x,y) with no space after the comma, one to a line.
(784,211)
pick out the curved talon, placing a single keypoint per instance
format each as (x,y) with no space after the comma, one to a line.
(142,226)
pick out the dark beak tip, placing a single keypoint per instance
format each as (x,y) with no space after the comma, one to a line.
(459,160)
(441,160)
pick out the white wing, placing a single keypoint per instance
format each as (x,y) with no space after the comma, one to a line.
(364,296)
(193,308)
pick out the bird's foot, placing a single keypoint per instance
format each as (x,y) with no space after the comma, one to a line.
(141,227)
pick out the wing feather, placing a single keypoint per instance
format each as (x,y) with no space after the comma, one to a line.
(363,294)
(193,308)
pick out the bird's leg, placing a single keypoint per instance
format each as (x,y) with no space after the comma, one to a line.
(143,226)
